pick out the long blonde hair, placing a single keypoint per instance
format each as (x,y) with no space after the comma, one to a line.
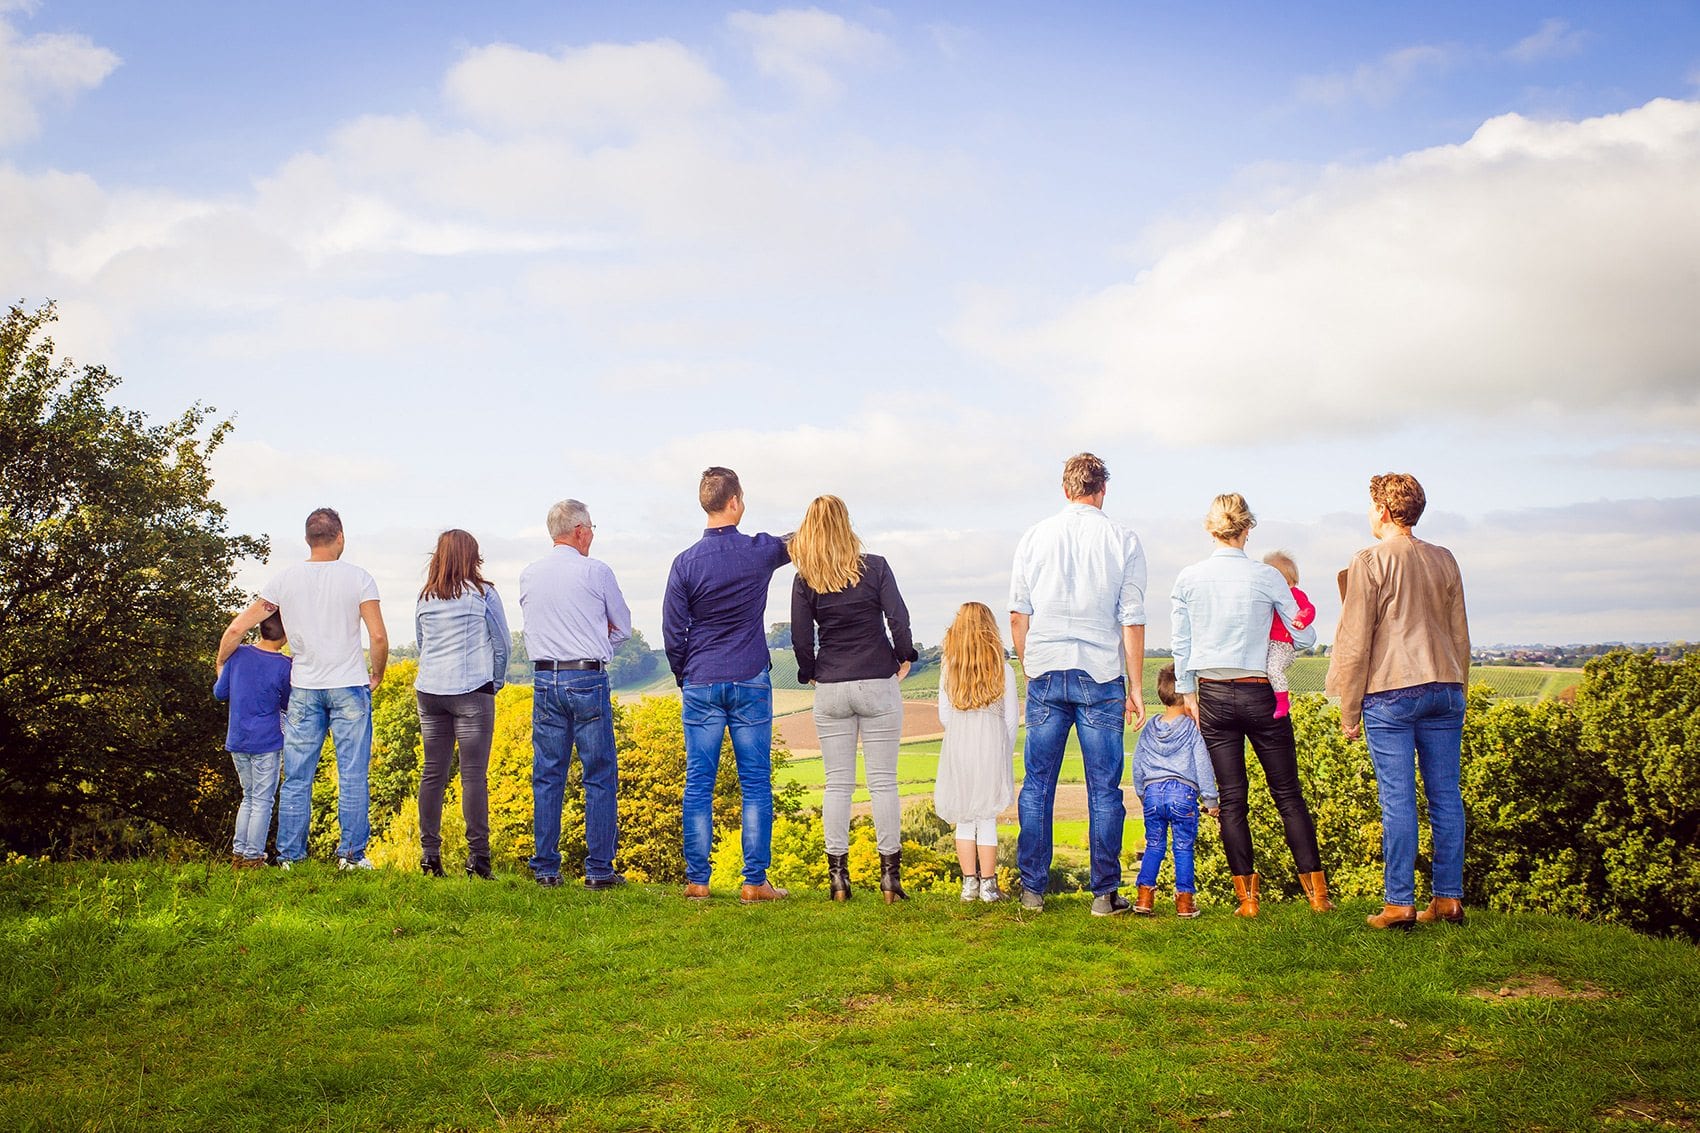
(973,657)
(825,549)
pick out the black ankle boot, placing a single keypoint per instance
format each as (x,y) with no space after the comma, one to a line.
(838,876)
(478,866)
(891,877)
(431,866)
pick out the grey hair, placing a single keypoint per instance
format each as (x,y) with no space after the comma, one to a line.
(565,516)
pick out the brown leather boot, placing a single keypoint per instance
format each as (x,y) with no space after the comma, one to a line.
(1448,909)
(696,892)
(1145,900)
(1245,888)
(1315,886)
(766,891)
(1185,906)
(1394,916)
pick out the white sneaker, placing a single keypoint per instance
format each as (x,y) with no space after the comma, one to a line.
(971,888)
(361,862)
(989,890)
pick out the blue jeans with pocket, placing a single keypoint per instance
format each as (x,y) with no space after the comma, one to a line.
(1056,702)
(710,711)
(346,714)
(1170,805)
(1429,721)
(570,708)
(258,776)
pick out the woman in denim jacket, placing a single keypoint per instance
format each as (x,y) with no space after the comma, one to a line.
(462,632)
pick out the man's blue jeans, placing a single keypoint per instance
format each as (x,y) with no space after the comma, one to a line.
(745,708)
(1429,720)
(571,707)
(1055,702)
(1170,805)
(346,713)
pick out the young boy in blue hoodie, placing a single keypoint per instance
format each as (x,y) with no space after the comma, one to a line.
(256,683)
(1171,776)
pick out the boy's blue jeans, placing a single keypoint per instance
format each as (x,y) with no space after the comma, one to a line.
(1170,805)
(1429,721)
(744,708)
(258,775)
(346,713)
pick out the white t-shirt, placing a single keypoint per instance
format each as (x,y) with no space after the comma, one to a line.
(320,606)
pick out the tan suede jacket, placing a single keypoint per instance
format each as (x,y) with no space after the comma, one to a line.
(1401,623)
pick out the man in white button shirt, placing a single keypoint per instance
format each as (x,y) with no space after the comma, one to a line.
(1077,617)
(324,602)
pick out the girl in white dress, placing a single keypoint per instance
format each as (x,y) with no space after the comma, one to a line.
(979,711)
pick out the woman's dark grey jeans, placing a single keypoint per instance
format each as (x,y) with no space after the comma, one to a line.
(468,719)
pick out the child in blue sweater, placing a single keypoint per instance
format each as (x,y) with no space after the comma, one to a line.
(1171,775)
(256,683)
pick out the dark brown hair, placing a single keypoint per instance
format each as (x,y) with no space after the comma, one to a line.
(1084,475)
(323,526)
(272,628)
(454,567)
(719,487)
(1166,686)
(1400,494)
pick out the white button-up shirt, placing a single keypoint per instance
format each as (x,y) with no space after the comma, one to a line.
(1223,608)
(1080,577)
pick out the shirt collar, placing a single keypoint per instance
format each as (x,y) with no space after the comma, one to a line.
(729,529)
(1229,553)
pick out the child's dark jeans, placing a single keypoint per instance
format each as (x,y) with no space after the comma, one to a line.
(1170,805)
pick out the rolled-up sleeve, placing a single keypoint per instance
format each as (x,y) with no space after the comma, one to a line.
(1130,605)
(1180,637)
(1020,585)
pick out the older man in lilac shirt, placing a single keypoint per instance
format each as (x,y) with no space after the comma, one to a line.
(575,617)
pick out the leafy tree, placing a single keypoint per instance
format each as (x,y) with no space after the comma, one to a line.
(634,662)
(779,635)
(116,579)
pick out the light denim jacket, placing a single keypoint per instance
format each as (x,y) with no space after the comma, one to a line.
(463,642)
(1222,610)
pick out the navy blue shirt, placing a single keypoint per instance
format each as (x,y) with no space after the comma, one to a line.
(712,618)
(256,682)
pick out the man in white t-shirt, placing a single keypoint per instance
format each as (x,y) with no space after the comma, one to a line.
(323,603)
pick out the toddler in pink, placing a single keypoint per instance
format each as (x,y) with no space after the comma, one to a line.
(1281,651)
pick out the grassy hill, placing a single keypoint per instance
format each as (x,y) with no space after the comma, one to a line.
(156,997)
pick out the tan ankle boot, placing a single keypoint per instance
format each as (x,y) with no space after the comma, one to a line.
(1315,886)
(1245,888)
(1145,900)
(1448,909)
(1184,906)
(1394,916)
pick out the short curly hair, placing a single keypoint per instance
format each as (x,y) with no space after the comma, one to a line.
(1084,475)
(1400,494)
(1229,517)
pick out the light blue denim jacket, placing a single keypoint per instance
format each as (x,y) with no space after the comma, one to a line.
(1221,613)
(463,642)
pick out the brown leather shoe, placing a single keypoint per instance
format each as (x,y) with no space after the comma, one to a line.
(1394,916)
(1448,909)
(1145,900)
(696,892)
(1245,888)
(1185,906)
(1315,886)
(766,891)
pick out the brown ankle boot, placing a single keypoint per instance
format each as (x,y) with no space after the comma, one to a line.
(1315,886)
(1245,888)
(1394,916)
(1448,909)
(1144,900)
(1185,906)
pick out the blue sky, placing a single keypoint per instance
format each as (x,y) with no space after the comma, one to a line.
(448,263)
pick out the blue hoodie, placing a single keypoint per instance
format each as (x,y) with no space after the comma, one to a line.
(1174,750)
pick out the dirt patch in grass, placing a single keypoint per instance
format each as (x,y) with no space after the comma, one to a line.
(1535,987)
(1635,1113)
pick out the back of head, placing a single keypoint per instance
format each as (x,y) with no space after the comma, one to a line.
(1084,475)
(454,566)
(564,516)
(718,488)
(1401,495)
(1229,517)
(825,549)
(272,628)
(323,527)
(1284,563)
(973,651)
(1166,687)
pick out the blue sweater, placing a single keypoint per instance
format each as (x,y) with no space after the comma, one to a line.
(1174,750)
(256,682)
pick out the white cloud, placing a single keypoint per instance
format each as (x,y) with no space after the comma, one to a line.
(1376,83)
(36,69)
(248,470)
(1554,39)
(1540,267)
(801,47)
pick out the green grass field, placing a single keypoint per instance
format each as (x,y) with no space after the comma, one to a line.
(153,997)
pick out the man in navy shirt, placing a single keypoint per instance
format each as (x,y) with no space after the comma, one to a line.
(712,625)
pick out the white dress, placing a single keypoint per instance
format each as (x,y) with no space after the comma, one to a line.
(976,778)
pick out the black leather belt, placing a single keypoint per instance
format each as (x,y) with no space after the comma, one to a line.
(555,666)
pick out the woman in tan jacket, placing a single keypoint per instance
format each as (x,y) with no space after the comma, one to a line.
(1400,662)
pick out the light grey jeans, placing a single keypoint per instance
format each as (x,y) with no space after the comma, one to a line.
(875,710)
